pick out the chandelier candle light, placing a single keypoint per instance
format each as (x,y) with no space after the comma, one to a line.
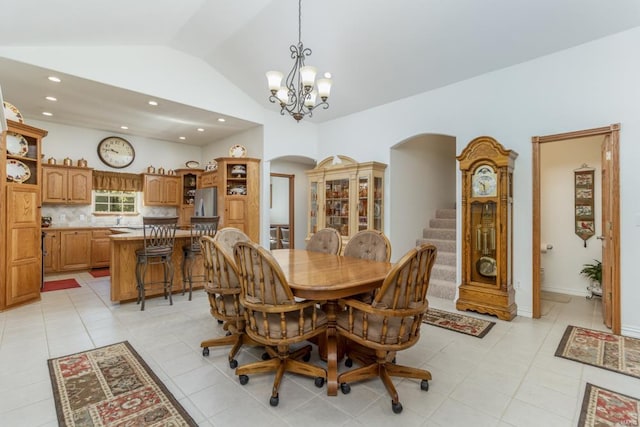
(299,95)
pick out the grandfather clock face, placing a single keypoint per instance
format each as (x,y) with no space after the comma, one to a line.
(484,182)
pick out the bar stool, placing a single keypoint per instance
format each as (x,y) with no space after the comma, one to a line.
(159,236)
(200,226)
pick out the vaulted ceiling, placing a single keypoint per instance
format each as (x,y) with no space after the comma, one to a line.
(378,51)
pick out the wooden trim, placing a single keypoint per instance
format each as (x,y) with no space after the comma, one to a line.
(612,131)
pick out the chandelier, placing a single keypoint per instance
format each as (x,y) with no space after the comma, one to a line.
(300,93)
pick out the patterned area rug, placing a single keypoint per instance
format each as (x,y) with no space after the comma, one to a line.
(458,322)
(112,386)
(602,407)
(56,285)
(601,349)
(100,272)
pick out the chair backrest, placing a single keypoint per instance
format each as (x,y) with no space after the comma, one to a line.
(221,278)
(273,237)
(159,232)
(284,237)
(274,317)
(392,321)
(202,226)
(227,238)
(369,244)
(327,240)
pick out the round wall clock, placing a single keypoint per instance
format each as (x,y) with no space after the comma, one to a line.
(116,152)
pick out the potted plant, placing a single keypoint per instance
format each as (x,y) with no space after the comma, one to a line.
(593,272)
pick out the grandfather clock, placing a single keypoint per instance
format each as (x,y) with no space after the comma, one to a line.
(487,226)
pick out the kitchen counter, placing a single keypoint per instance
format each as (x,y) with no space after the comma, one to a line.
(123,265)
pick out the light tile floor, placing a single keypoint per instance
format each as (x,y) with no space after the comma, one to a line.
(508,378)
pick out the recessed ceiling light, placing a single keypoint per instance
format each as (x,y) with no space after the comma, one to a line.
(46,113)
(327,75)
(124,127)
(55,79)
(200,130)
(51,98)
(154,103)
(183,138)
(222,120)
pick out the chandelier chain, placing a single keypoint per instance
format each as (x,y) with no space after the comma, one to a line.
(299,21)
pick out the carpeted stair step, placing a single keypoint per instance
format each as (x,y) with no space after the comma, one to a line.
(439,233)
(446,258)
(441,245)
(446,213)
(442,289)
(442,223)
(444,272)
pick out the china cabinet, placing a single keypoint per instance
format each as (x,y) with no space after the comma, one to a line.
(66,185)
(237,181)
(20,216)
(346,195)
(189,179)
(487,229)
(161,190)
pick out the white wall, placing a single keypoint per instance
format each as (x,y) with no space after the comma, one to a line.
(592,85)
(563,263)
(279,200)
(422,172)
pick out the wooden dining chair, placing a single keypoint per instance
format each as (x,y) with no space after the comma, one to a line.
(327,240)
(390,323)
(223,289)
(275,319)
(369,244)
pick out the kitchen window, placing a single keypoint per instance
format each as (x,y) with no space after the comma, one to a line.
(117,202)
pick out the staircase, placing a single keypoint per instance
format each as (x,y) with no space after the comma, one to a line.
(442,234)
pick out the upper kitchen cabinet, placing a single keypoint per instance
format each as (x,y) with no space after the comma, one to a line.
(68,185)
(346,195)
(161,190)
(190,179)
(20,217)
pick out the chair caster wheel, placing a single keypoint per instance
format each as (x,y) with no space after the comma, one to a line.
(228,334)
(345,388)
(394,361)
(265,356)
(424,385)
(243,379)
(274,400)
(319,382)
(220,322)
(233,363)
(306,357)
(205,351)
(348,363)
(396,407)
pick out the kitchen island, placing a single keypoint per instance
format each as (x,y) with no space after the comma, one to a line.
(123,265)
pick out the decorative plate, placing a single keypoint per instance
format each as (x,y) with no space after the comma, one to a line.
(237,151)
(17,171)
(12,113)
(211,166)
(17,145)
(192,164)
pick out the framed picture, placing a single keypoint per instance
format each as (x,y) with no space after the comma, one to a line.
(584,204)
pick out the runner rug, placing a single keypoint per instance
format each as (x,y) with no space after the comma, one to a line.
(111,386)
(100,272)
(458,322)
(56,285)
(602,407)
(601,349)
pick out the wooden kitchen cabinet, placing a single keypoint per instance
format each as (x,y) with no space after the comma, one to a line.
(75,250)
(51,248)
(161,190)
(20,216)
(67,185)
(189,179)
(100,248)
(239,194)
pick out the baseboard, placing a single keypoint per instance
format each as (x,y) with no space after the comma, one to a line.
(566,291)
(630,331)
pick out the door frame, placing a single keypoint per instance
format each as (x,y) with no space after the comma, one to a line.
(292,187)
(613,132)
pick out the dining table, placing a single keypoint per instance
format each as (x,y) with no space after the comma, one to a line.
(327,277)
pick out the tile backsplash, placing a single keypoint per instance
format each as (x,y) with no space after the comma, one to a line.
(82,215)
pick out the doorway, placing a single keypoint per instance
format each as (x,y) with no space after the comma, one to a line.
(281,210)
(610,222)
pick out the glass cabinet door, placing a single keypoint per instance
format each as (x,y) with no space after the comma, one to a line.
(337,205)
(363,203)
(377,203)
(313,207)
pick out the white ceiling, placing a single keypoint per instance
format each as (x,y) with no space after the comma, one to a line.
(378,51)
